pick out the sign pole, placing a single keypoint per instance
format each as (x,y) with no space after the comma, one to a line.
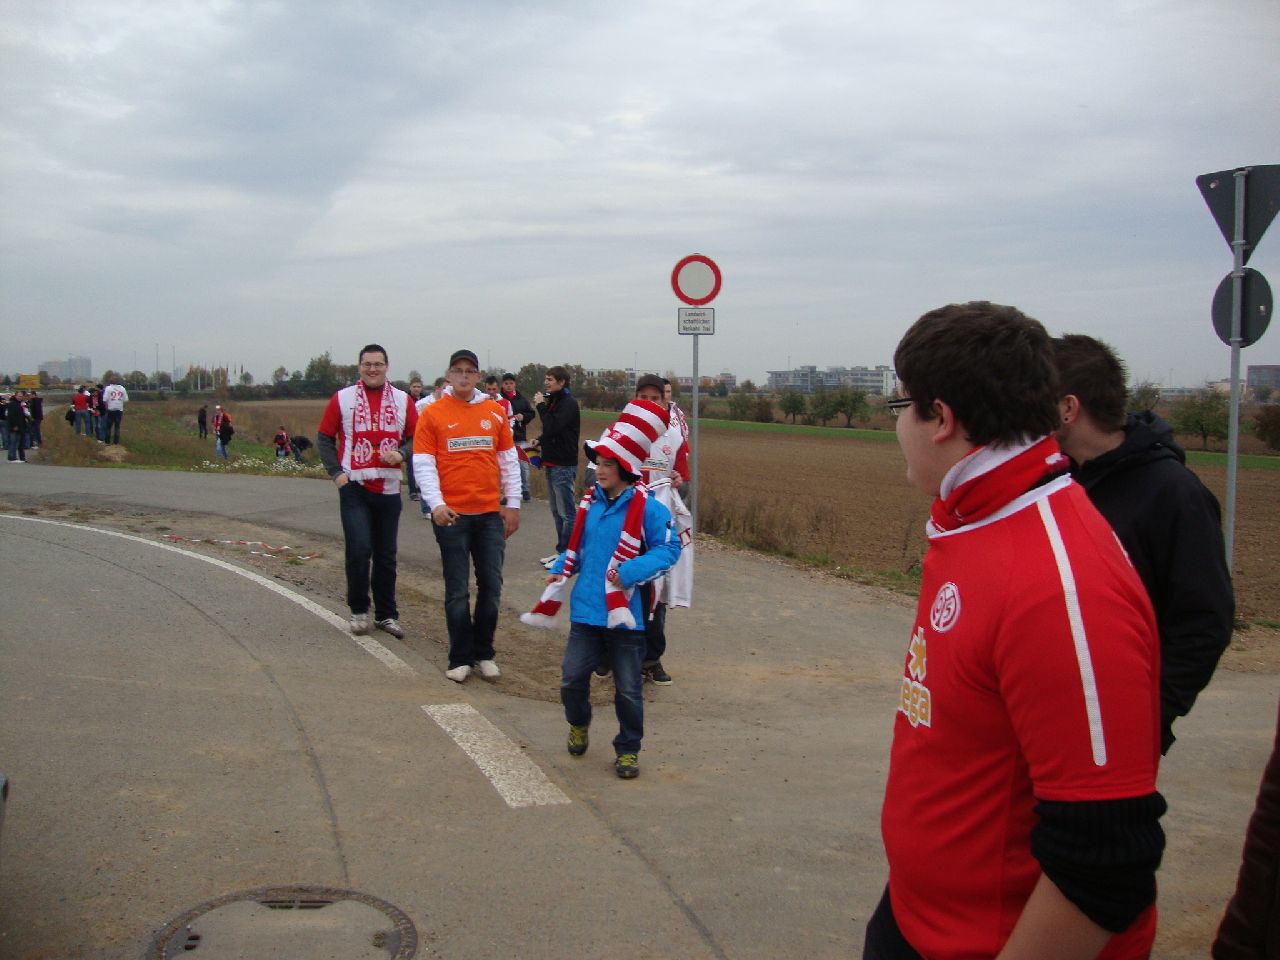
(1237,312)
(1243,219)
(695,280)
(693,457)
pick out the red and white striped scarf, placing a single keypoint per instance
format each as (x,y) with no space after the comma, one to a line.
(368,436)
(617,599)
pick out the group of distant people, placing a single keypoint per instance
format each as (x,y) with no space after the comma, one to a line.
(97,410)
(21,414)
(467,450)
(223,429)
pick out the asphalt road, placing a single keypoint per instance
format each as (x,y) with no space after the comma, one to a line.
(176,730)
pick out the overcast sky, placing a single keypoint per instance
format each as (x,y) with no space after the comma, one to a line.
(257,182)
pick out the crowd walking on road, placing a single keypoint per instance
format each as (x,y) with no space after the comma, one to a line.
(1048,661)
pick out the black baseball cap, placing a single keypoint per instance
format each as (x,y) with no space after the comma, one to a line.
(649,380)
(464,355)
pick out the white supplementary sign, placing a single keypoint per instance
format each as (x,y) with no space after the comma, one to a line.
(696,321)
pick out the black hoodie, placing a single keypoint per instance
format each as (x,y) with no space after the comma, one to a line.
(1171,526)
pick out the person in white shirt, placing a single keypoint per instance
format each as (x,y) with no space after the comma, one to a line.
(114,397)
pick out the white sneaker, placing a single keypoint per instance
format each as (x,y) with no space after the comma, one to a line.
(458,674)
(548,561)
(488,669)
(391,626)
(359,624)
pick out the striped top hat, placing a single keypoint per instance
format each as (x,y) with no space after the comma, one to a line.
(628,441)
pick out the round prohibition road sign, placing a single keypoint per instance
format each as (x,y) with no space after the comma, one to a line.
(696,280)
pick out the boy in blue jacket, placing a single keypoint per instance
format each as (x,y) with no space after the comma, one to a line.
(622,537)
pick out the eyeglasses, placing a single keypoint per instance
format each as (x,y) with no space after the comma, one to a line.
(372,366)
(898,404)
(464,371)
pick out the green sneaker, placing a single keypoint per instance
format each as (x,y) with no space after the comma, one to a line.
(577,740)
(627,766)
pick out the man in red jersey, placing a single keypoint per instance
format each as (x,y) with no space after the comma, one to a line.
(365,436)
(1021,818)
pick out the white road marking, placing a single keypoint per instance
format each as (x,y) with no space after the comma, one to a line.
(517,779)
(368,644)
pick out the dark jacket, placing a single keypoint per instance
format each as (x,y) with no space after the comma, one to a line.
(1171,527)
(35,405)
(15,415)
(560,425)
(225,430)
(520,404)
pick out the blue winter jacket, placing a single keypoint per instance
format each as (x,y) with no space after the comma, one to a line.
(599,540)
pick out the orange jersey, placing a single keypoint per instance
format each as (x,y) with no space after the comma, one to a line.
(464,440)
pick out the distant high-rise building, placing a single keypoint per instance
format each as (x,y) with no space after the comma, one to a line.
(73,368)
(876,381)
(1263,376)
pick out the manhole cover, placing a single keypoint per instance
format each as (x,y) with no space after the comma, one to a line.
(289,923)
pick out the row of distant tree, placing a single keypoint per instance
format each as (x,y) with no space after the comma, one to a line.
(1204,413)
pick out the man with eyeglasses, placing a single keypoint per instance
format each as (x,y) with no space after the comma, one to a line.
(468,474)
(365,436)
(1021,816)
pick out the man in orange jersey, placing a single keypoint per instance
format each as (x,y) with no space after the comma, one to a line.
(468,474)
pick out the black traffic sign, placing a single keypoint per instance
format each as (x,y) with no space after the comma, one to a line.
(1257,308)
(1261,202)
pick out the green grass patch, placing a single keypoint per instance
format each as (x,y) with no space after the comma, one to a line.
(162,436)
(1244,461)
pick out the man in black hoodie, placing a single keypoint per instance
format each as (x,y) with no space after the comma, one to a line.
(1169,523)
(559,445)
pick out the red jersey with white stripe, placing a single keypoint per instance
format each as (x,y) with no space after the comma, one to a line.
(1032,672)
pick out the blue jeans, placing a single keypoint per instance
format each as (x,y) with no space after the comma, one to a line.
(82,422)
(560,481)
(371,526)
(474,538)
(220,449)
(111,423)
(623,649)
(17,444)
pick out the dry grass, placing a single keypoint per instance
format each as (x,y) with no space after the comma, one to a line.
(845,503)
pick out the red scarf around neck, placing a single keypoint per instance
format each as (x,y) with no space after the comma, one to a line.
(989,477)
